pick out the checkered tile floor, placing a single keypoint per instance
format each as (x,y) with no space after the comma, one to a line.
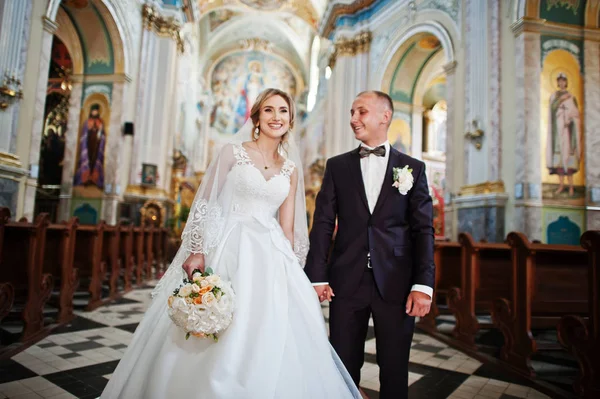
(77,360)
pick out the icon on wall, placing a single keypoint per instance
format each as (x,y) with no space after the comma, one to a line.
(149,175)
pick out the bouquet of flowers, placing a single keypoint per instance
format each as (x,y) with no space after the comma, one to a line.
(202,306)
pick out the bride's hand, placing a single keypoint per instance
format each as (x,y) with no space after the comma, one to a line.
(193,262)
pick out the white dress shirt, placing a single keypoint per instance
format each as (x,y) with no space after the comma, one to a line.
(373,170)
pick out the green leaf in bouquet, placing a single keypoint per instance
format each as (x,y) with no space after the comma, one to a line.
(208,271)
(187,336)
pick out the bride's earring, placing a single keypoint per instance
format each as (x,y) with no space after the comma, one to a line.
(256,133)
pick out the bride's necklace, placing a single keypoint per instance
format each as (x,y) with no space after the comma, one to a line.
(263,157)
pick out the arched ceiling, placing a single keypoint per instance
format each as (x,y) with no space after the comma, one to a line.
(408,64)
(285,28)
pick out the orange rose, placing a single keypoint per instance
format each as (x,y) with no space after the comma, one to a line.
(171,299)
(198,300)
(199,335)
(206,289)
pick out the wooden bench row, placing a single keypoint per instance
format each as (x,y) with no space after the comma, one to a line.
(43,263)
(524,287)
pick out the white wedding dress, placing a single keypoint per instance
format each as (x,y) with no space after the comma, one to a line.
(276,346)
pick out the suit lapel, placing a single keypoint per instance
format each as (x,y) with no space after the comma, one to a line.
(386,186)
(355,171)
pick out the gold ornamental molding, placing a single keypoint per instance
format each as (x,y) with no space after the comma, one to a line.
(162,26)
(487,187)
(10,160)
(343,9)
(351,47)
(146,192)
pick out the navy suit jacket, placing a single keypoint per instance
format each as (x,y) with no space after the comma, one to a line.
(398,234)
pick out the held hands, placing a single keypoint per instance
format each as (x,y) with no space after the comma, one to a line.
(418,304)
(324,292)
(193,262)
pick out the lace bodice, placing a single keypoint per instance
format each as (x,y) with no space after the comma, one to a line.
(253,194)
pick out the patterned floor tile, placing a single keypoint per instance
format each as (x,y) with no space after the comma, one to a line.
(77,360)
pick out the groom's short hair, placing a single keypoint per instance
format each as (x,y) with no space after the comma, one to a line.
(380,95)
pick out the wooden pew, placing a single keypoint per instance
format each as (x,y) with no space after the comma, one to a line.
(7,297)
(7,292)
(22,267)
(138,255)
(582,337)
(126,255)
(159,252)
(447,258)
(58,261)
(110,256)
(88,259)
(149,251)
(546,285)
(485,275)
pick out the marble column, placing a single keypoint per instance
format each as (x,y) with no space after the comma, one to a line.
(417,126)
(154,124)
(592,132)
(350,73)
(15,21)
(449,184)
(69,159)
(113,154)
(482,201)
(38,116)
(528,177)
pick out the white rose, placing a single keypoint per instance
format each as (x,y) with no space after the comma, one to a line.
(208,299)
(197,276)
(213,279)
(404,181)
(185,290)
(179,305)
(195,288)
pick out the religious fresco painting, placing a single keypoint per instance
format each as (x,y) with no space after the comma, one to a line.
(399,133)
(236,82)
(91,146)
(563,175)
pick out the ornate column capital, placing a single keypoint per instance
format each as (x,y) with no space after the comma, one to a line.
(361,43)
(162,26)
(49,25)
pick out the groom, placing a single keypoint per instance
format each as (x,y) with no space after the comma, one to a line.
(382,259)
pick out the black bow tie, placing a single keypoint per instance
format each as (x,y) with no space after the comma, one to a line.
(378,151)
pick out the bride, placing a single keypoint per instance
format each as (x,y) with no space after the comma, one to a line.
(247,212)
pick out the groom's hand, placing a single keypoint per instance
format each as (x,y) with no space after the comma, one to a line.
(324,292)
(418,304)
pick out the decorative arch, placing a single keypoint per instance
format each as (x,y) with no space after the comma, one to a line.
(67,33)
(114,18)
(404,34)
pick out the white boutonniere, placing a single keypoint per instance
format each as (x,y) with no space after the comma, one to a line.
(403,179)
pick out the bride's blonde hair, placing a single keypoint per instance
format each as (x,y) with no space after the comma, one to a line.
(264,96)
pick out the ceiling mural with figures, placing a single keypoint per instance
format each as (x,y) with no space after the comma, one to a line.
(237,80)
